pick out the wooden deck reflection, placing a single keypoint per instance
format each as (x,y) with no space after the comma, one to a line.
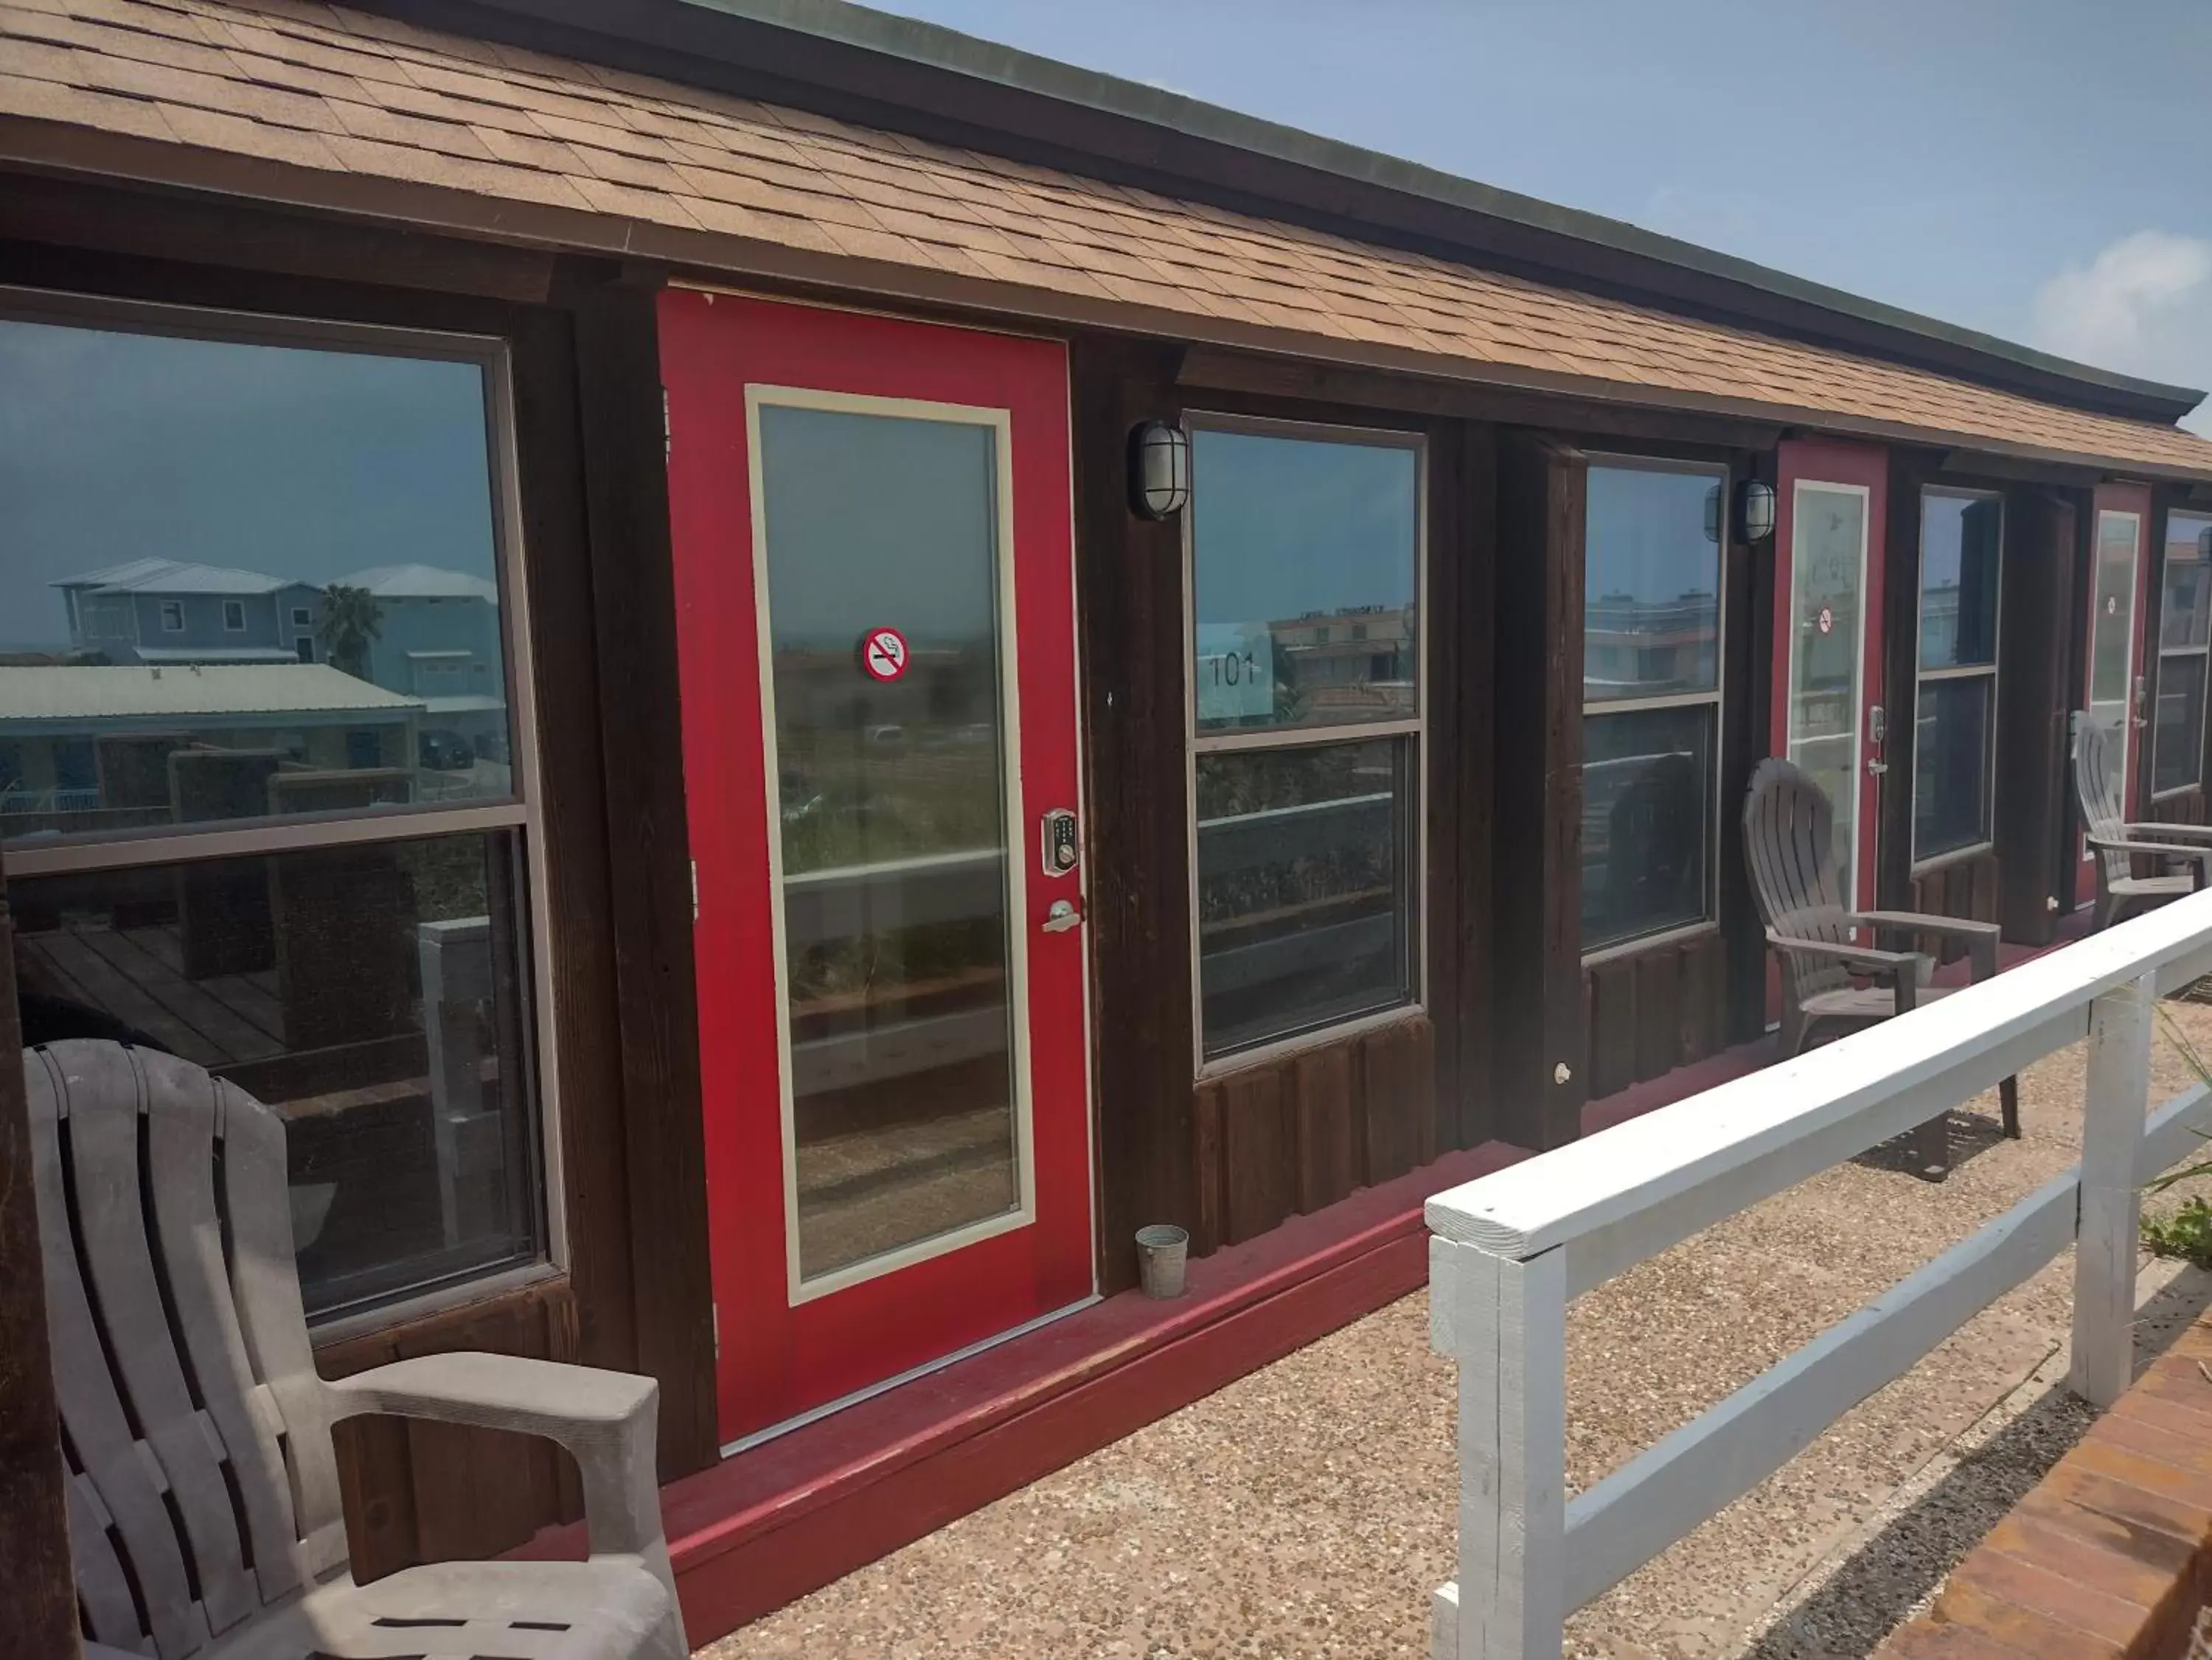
(135,976)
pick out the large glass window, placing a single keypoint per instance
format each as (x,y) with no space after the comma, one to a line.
(1305,548)
(1954,731)
(2185,630)
(1651,622)
(175,504)
(259,777)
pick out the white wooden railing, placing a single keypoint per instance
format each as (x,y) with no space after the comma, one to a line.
(1509,1252)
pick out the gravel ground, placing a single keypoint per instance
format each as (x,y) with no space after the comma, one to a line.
(1307,1510)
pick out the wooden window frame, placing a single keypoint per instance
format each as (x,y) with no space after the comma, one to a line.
(1986,842)
(1716,698)
(1413,729)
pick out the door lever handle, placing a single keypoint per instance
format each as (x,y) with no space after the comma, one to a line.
(1061,917)
(1876,768)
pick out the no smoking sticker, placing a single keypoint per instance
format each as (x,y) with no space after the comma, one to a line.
(884,653)
(1828,620)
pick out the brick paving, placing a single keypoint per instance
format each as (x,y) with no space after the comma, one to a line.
(2105,1557)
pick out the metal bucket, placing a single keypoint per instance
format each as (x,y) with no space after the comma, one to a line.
(1161,1250)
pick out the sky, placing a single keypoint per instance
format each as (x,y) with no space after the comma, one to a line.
(2037,169)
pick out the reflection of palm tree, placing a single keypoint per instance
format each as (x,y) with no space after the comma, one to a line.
(350,622)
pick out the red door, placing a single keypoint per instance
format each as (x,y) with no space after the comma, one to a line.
(1827,714)
(875,618)
(2113,670)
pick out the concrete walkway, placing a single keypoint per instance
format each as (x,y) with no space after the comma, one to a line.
(1307,1510)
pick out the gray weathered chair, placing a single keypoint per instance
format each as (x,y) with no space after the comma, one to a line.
(203,1503)
(1789,831)
(2114,843)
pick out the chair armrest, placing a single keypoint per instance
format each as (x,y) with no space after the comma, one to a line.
(2123,844)
(1913,922)
(1862,957)
(2171,832)
(1981,937)
(607,1419)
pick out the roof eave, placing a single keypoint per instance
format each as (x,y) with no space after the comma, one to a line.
(850,61)
(707,259)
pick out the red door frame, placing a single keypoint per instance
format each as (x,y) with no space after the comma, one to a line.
(1822,461)
(778,1358)
(2115,498)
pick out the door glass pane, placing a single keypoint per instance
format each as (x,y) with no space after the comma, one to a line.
(240,581)
(2112,642)
(1304,909)
(1827,588)
(1651,607)
(891,800)
(1302,580)
(1647,807)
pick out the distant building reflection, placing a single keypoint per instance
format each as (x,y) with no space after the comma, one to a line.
(191,693)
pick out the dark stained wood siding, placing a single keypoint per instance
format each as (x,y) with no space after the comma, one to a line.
(653,993)
(1652,1011)
(2037,690)
(1129,611)
(1299,1132)
(1541,1081)
(1910,471)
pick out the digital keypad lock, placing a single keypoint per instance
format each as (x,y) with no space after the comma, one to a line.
(1062,842)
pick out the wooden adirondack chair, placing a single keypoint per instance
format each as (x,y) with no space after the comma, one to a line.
(1790,829)
(2113,842)
(203,1503)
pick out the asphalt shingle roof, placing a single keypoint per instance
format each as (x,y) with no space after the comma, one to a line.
(568,152)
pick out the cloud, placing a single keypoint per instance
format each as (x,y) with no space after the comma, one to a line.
(2144,307)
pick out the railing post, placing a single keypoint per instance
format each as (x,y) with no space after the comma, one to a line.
(2107,1233)
(1505,1322)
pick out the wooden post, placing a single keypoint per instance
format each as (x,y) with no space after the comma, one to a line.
(1505,1324)
(36,1582)
(2118,1085)
(1541,1022)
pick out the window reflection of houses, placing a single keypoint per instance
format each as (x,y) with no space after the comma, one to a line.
(1655,646)
(112,747)
(437,641)
(1353,663)
(164,610)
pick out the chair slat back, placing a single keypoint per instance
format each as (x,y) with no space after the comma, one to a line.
(192,1505)
(2097,786)
(1790,843)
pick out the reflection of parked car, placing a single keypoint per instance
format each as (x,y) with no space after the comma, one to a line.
(887,740)
(447,752)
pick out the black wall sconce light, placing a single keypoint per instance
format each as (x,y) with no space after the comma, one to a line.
(1754,509)
(1159,469)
